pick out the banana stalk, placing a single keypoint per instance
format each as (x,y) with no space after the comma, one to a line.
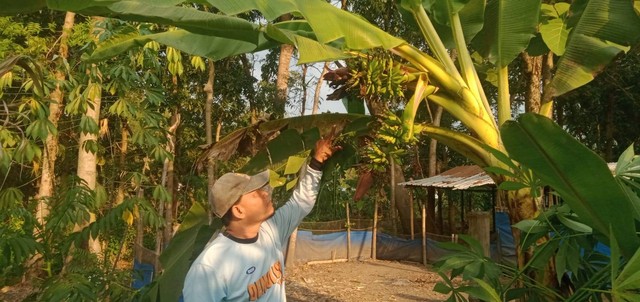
(439,75)
(466,65)
(546,108)
(422,90)
(434,41)
(482,127)
(466,145)
(504,102)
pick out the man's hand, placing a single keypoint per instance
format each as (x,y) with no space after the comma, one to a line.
(325,148)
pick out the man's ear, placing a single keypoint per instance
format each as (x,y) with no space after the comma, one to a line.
(238,211)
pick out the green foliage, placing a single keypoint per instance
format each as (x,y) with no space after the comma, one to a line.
(590,47)
(574,238)
(626,283)
(73,287)
(518,175)
(569,168)
(468,262)
(554,29)
(601,114)
(500,42)
(186,245)
(321,32)
(16,242)
(116,217)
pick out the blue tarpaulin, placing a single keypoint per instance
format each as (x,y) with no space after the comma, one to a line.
(142,274)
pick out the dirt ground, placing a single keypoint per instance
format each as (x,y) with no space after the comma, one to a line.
(342,281)
(362,281)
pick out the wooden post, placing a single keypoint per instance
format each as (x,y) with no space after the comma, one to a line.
(291,249)
(375,230)
(411,215)
(479,228)
(348,232)
(462,209)
(393,195)
(440,214)
(493,209)
(424,234)
(452,213)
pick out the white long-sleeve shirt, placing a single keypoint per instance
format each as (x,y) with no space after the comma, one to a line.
(232,269)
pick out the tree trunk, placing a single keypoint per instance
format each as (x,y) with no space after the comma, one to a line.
(547,68)
(433,171)
(88,161)
(282,81)
(304,88)
(316,96)
(533,77)
(248,70)
(124,146)
(47,179)
(208,125)
(403,201)
(169,178)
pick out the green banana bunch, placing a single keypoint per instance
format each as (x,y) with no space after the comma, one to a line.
(175,61)
(198,63)
(387,142)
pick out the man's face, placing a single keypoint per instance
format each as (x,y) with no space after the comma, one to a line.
(257,205)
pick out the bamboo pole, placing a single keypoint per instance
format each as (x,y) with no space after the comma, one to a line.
(375,230)
(393,195)
(424,234)
(326,261)
(348,232)
(411,216)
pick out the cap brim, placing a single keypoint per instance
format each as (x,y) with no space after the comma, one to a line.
(257,181)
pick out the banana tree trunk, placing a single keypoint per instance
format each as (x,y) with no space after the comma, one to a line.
(532,66)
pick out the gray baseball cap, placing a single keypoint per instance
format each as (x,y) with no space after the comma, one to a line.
(228,189)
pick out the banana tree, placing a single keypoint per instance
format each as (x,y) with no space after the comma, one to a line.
(588,34)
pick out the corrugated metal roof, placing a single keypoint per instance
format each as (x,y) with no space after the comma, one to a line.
(462,178)
(458,178)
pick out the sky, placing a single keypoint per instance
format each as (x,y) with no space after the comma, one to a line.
(313,72)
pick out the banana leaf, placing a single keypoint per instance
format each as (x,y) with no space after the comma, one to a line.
(191,238)
(580,176)
(600,30)
(509,25)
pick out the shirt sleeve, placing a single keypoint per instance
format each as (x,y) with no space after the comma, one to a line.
(289,216)
(201,284)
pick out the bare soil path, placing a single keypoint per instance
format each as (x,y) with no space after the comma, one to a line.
(362,281)
(337,282)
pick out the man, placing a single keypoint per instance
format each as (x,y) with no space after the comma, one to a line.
(246,261)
